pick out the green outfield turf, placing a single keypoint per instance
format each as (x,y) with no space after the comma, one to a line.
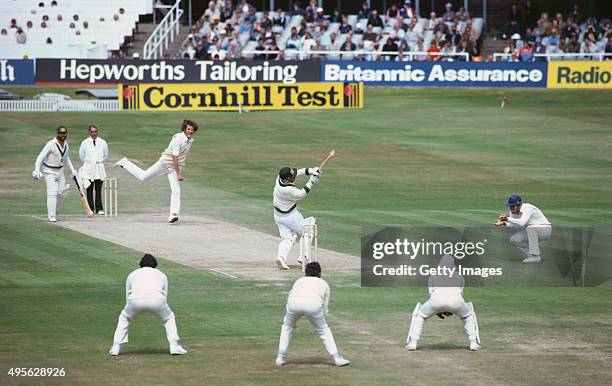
(410,158)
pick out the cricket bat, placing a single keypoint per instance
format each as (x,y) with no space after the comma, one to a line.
(86,208)
(327,158)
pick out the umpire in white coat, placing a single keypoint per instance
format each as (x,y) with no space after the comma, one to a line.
(93,153)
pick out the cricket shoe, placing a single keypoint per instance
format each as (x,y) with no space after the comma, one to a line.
(532,259)
(100,212)
(114,351)
(474,346)
(280,263)
(300,260)
(411,345)
(280,360)
(53,219)
(173,218)
(119,164)
(177,349)
(341,361)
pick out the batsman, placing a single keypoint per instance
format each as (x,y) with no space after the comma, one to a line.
(287,217)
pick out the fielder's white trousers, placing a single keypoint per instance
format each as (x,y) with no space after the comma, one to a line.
(444,301)
(159,169)
(290,227)
(313,311)
(157,307)
(528,240)
(56,190)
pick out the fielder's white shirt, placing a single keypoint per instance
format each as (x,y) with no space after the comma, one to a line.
(530,216)
(93,157)
(286,196)
(146,283)
(179,146)
(53,157)
(312,288)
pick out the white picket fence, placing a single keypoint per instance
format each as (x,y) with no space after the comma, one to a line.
(72,105)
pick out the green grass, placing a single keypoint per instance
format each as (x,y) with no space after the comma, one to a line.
(410,158)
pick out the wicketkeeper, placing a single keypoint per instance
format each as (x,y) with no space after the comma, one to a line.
(52,158)
(537,227)
(446,299)
(286,215)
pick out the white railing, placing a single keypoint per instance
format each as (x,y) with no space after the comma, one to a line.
(73,105)
(347,55)
(600,56)
(164,34)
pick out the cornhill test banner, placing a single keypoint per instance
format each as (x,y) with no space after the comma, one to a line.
(232,97)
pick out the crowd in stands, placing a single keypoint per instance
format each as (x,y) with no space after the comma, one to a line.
(227,30)
(572,33)
(42,27)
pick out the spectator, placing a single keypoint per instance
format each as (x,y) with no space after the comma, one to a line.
(348,46)
(278,21)
(85,24)
(244,6)
(526,53)
(588,47)
(3,34)
(45,18)
(453,36)
(375,20)
(440,27)
(608,49)
(296,9)
(406,11)
(575,13)
(14,24)
(308,43)
(336,17)
(54,3)
(116,17)
(447,51)
(462,15)
(364,12)
(539,30)
(43,25)
(421,56)
(397,33)
(433,53)
(49,41)
(60,18)
(226,12)
(20,36)
(71,25)
(41,4)
(319,18)
(449,15)
(312,6)
(466,47)
(29,24)
(345,27)
(274,47)
(389,46)
(392,12)
(121,11)
(294,41)
(75,18)
(530,13)
(431,23)
(512,23)
(260,48)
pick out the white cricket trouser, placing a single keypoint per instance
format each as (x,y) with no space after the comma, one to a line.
(56,190)
(159,169)
(313,311)
(444,301)
(528,240)
(290,227)
(157,307)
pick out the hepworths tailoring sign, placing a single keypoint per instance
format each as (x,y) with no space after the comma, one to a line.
(436,74)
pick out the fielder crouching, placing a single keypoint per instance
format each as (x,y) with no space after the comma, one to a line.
(446,298)
(286,215)
(52,158)
(146,290)
(309,297)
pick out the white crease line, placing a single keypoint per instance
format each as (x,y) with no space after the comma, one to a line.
(223,273)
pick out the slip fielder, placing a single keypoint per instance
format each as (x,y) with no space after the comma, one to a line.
(537,227)
(446,298)
(52,158)
(171,162)
(309,297)
(146,290)
(286,215)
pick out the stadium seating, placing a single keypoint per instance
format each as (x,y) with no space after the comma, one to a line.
(103,33)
